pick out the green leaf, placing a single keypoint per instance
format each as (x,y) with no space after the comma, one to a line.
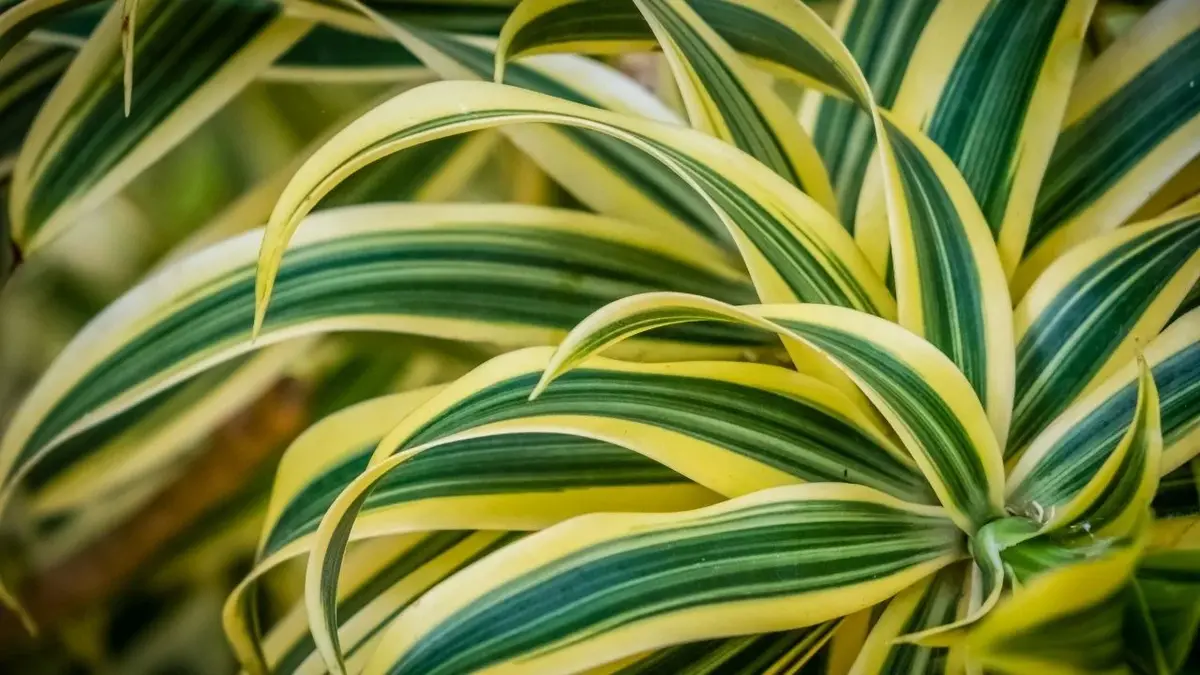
(194,56)
(1131,124)
(603,586)
(1168,583)
(881,36)
(920,392)
(504,274)
(1089,312)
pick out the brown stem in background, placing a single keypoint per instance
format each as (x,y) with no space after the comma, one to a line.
(100,570)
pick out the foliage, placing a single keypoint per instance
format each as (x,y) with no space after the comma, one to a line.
(908,359)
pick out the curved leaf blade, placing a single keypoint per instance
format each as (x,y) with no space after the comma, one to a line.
(622,584)
(1088,313)
(1133,120)
(82,149)
(920,392)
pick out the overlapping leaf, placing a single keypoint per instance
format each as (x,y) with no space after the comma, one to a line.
(600,587)
(464,272)
(1087,314)
(82,149)
(928,402)
(1133,121)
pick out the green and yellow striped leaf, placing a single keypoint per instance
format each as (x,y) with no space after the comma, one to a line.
(381,578)
(324,458)
(949,281)
(732,427)
(1116,497)
(1088,313)
(950,285)
(1065,622)
(1167,584)
(796,249)
(1069,454)
(18,18)
(454,271)
(725,98)
(152,434)
(933,602)
(1133,121)
(927,401)
(195,55)
(604,586)
(989,83)
(777,37)
(785,653)
(603,172)
(27,75)
(881,36)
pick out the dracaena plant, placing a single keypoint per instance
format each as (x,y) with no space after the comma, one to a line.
(976,252)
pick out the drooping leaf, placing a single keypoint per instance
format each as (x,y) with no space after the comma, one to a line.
(455,271)
(927,401)
(814,257)
(600,587)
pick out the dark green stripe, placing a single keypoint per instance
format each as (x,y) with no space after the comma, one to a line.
(511,464)
(736,656)
(746,30)
(750,131)
(1097,151)
(1118,494)
(983,106)
(1074,336)
(1031,558)
(918,404)
(162,405)
(951,290)
(764,551)
(404,564)
(328,47)
(396,177)
(180,45)
(1072,461)
(500,274)
(643,172)
(937,607)
(775,429)
(17,115)
(881,36)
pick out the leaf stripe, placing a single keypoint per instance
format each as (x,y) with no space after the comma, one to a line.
(645,173)
(758,552)
(510,464)
(1089,442)
(923,410)
(881,36)
(982,109)
(1076,333)
(951,290)
(1095,152)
